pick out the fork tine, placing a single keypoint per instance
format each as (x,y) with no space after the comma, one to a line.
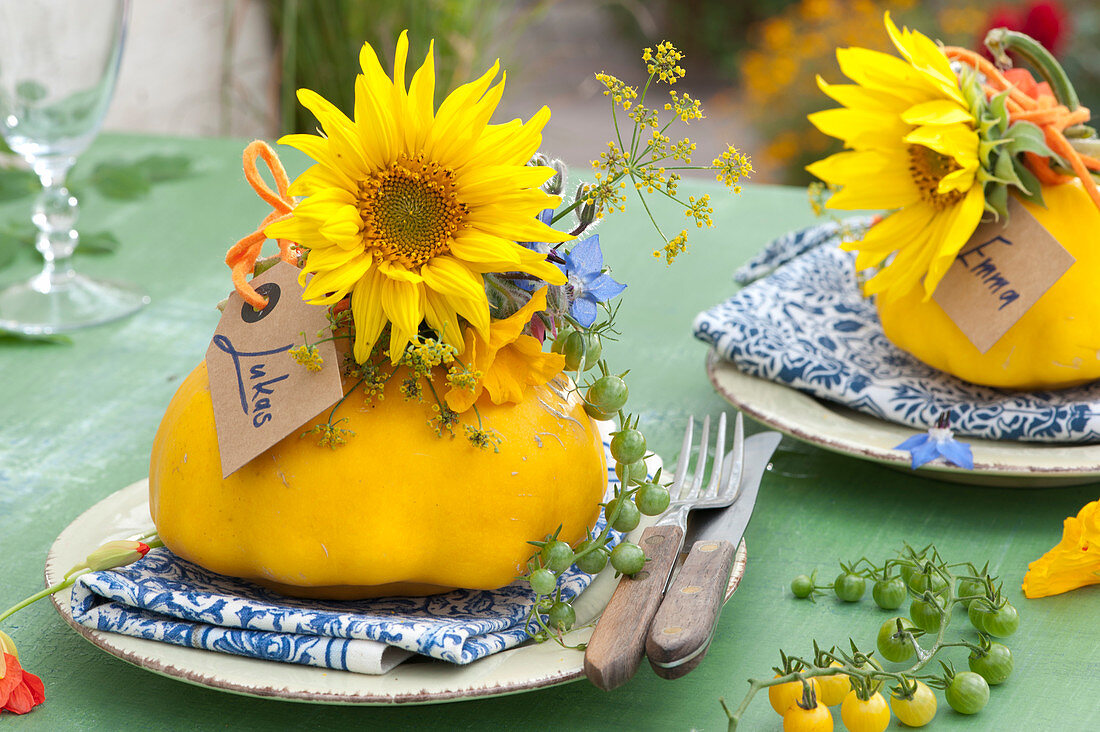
(716,464)
(736,459)
(701,463)
(682,462)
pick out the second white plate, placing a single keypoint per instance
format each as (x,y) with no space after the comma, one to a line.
(848,432)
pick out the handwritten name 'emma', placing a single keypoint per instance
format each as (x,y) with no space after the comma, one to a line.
(979,261)
(256,394)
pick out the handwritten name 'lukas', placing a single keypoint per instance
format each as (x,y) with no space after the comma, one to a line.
(255,396)
(979,261)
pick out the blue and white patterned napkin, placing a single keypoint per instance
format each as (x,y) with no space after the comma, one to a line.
(165,598)
(805,324)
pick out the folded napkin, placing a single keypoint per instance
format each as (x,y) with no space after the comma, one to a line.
(805,324)
(165,598)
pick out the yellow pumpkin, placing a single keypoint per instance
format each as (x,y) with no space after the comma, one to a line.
(396,510)
(1055,344)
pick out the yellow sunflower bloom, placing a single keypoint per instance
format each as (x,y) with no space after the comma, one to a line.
(913,148)
(508,359)
(408,206)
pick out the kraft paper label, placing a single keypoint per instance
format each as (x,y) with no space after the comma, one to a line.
(1000,273)
(260,393)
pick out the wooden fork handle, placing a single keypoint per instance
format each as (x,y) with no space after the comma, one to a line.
(681,631)
(618,642)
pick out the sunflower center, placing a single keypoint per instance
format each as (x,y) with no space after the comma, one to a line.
(928,168)
(410,211)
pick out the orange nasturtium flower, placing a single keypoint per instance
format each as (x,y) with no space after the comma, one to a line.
(509,360)
(20,691)
(1073,562)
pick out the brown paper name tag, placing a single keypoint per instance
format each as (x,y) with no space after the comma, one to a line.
(1000,273)
(260,393)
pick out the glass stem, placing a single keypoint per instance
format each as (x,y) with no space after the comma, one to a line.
(55,214)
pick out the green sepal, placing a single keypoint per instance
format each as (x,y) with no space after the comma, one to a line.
(1027,137)
(996,201)
(1030,188)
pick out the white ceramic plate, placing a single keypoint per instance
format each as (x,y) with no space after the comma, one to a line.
(838,429)
(532,666)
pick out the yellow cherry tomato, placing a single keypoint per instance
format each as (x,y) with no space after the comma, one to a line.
(871,715)
(815,719)
(917,710)
(1053,345)
(784,696)
(396,510)
(831,690)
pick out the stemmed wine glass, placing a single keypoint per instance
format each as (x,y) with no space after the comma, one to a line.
(58,64)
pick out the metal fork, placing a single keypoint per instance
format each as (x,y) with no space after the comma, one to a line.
(617,644)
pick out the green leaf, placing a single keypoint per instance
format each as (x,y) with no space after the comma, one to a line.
(159,168)
(1027,137)
(1006,171)
(1030,189)
(43,338)
(97,242)
(15,183)
(122,181)
(996,201)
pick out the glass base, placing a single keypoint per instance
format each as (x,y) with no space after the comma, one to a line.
(50,303)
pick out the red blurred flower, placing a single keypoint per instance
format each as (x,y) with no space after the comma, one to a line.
(20,691)
(1044,20)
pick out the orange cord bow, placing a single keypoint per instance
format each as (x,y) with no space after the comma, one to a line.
(242,256)
(1031,102)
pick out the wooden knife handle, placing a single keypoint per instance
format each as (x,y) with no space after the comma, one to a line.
(615,649)
(682,629)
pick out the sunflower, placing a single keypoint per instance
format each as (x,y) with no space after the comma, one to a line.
(913,148)
(408,206)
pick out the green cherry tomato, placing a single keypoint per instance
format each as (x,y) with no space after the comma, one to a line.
(631,473)
(628,516)
(907,571)
(594,561)
(543,581)
(1002,622)
(921,581)
(967,693)
(652,499)
(608,394)
(593,349)
(969,588)
(627,558)
(994,665)
(574,351)
(925,615)
(802,586)
(556,556)
(849,587)
(561,616)
(894,646)
(889,593)
(628,446)
(916,710)
(870,715)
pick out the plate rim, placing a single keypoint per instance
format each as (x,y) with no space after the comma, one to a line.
(723,375)
(130,649)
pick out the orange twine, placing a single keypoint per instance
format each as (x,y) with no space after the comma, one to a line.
(242,256)
(1043,111)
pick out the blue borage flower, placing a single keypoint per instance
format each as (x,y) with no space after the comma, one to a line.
(587,285)
(938,442)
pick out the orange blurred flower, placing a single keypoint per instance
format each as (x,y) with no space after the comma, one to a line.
(20,691)
(1074,562)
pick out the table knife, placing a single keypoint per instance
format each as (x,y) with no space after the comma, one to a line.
(685,621)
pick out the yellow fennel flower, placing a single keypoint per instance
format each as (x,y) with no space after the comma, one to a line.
(408,206)
(508,360)
(1073,562)
(912,148)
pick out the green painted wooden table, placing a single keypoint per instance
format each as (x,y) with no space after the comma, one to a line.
(77,422)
